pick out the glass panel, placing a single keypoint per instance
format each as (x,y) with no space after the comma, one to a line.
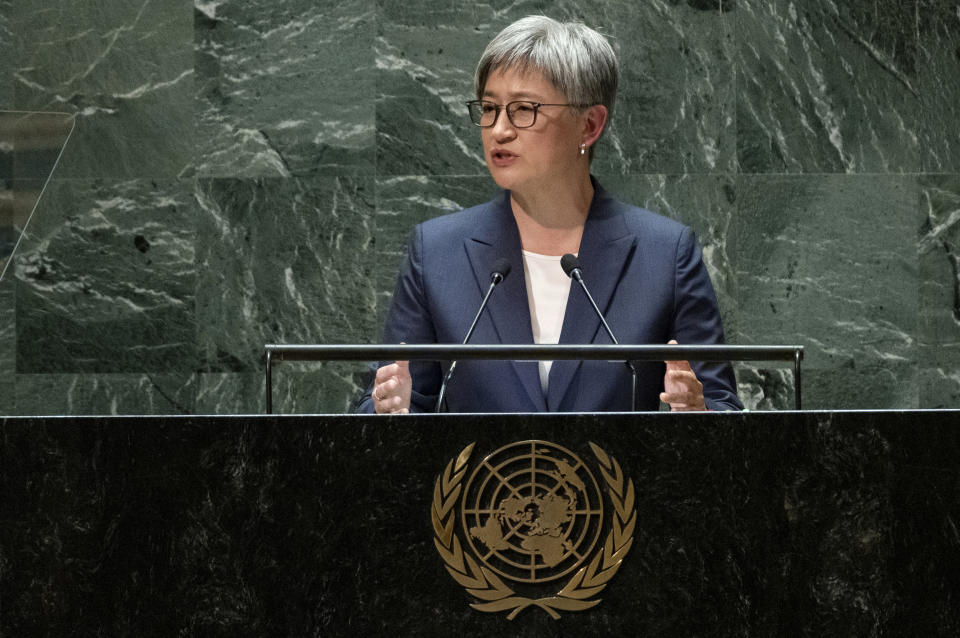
(30,147)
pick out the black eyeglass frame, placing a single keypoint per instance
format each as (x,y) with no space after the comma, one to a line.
(506,107)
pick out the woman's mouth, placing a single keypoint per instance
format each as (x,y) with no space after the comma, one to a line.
(500,157)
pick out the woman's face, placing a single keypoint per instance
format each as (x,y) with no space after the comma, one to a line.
(543,155)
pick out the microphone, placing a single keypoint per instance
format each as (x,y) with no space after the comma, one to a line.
(498,273)
(571,266)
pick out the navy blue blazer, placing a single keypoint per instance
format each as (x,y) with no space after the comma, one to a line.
(645,272)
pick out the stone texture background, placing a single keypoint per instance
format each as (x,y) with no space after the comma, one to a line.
(245,173)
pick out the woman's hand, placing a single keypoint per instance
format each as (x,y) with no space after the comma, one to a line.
(682,389)
(391,389)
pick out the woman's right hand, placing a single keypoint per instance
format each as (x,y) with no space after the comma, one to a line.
(391,389)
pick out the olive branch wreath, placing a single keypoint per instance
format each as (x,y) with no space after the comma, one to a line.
(482,583)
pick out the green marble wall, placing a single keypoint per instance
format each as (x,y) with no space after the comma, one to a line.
(244,173)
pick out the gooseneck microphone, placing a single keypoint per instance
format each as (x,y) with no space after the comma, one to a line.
(498,272)
(571,266)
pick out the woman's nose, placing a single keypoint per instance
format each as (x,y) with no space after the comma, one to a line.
(503,128)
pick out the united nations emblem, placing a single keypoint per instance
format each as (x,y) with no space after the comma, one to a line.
(532,513)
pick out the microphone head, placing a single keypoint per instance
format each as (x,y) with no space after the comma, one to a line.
(570,264)
(500,270)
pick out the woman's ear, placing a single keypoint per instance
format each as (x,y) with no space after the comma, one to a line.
(594,121)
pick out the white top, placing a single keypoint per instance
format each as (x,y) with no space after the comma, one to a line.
(548,288)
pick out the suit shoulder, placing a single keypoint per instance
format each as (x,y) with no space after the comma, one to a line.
(456,225)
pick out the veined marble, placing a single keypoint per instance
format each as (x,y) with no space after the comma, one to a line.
(124,68)
(282,261)
(762,386)
(6,53)
(9,226)
(827,87)
(31,144)
(937,23)
(939,317)
(8,344)
(106,279)
(284,88)
(298,388)
(105,394)
(821,261)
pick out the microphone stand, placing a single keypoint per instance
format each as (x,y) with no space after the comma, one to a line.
(495,278)
(575,273)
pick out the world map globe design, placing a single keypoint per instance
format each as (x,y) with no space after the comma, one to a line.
(532,511)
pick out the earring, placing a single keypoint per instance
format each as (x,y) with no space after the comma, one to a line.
(583,149)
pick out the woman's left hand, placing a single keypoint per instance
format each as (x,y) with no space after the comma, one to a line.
(682,388)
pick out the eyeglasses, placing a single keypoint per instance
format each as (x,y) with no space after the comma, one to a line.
(521,113)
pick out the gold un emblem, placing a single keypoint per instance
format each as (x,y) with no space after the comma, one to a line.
(532,513)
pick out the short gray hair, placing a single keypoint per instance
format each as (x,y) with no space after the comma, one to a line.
(571,56)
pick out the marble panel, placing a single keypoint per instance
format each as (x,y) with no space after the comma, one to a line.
(282,260)
(939,325)
(825,87)
(674,112)
(823,262)
(106,279)
(18,201)
(9,226)
(125,69)
(298,388)
(284,88)
(403,202)
(7,137)
(78,394)
(762,387)
(7,50)
(938,28)
(421,136)
(939,388)
(30,147)
(8,344)
(39,140)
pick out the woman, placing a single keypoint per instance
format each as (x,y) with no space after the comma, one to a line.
(545,91)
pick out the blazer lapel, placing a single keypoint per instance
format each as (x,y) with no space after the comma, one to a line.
(605,249)
(509,310)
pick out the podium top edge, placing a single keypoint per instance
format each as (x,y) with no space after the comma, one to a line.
(367,352)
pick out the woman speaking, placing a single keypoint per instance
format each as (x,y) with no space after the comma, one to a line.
(544,94)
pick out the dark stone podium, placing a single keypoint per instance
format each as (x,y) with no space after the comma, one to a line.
(763,524)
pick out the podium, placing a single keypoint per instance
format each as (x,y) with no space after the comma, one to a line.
(791,523)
